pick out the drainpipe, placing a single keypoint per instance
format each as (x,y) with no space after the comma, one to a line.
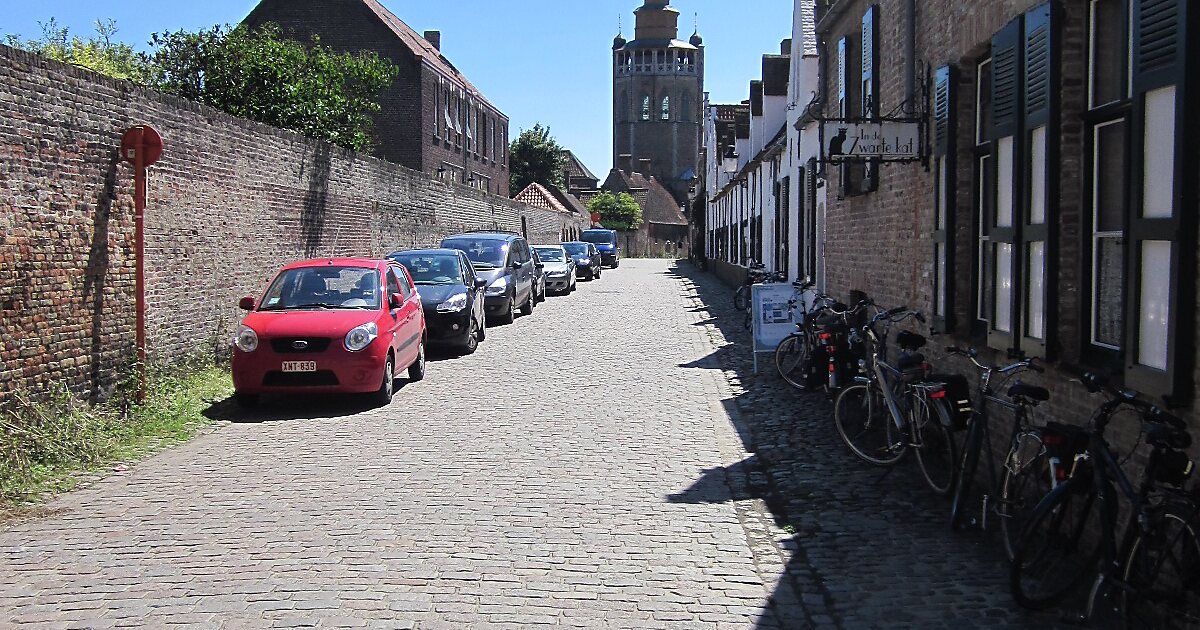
(910,62)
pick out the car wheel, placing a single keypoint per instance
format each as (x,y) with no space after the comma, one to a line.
(471,344)
(416,371)
(245,400)
(527,308)
(616,263)
(510,315)
(388,387)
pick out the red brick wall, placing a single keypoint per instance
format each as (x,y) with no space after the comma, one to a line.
(228,203)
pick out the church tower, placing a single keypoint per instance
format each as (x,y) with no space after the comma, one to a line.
(658,87)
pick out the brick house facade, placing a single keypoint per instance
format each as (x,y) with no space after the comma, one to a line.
(432,119)
(1056,215)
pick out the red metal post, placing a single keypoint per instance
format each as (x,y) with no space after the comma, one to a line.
(139,237)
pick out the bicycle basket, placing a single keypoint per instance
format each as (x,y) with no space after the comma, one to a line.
(958,397)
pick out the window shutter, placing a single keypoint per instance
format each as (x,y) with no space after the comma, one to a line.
(1006,71)
(943,110)
(1162,230)
(870,58)
(1039,75)
(1039,140)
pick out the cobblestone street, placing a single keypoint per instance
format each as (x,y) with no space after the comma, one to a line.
(580,470)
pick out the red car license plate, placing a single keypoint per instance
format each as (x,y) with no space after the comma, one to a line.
(299,366)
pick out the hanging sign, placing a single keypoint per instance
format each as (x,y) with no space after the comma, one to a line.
(888,140)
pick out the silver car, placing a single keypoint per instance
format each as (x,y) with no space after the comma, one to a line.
(559,268)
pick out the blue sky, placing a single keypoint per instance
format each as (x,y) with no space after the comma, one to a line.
(548,63)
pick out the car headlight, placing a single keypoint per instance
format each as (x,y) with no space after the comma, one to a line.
(246,339)
(454,304)
(361,337)
(497,287)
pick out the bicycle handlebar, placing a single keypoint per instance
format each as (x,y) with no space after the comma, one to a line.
(1096,383)
(973,355)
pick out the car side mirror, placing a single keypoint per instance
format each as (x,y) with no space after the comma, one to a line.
(395,300)
(516,264)
(480,283)
(540,265)
(246,304)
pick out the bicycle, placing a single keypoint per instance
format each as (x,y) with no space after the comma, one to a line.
(890,410)
(1033,455)
(1072,534)
(794,353)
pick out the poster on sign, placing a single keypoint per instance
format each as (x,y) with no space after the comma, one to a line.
(889,140)
(774,315)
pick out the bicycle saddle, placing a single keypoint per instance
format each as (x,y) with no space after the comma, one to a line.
(910,340)
(910,360)
(1168,437)
(1028,392)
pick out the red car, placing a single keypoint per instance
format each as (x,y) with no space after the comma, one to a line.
(338,325)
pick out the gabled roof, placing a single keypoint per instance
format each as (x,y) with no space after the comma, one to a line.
(571,202)
(424,50)
(575,167)
(658,205)
(538,196)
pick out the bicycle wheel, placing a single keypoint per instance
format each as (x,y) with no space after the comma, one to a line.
(968,463)
(866,426)
(741,299)
(1162,572)
(936,454)
(1059,547)
(1025,481)
(791,359)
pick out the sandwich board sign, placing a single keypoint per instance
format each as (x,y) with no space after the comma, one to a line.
(772,318)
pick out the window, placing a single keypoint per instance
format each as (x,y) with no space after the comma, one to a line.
(1016,184)
(666,108)
(869,88)
(437,110)
(982,197)
(943,169)
(646,107)
(394,286)
(622,107)
(685,113)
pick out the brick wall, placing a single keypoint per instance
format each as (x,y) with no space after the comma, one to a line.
(881,242)
(229,202)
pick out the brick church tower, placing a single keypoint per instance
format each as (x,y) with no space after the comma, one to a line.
(658,88)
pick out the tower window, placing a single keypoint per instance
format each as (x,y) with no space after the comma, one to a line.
(666,108)
(646,107)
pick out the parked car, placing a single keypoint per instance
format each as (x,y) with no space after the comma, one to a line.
(587,259)
(451,294)
(330,325)
(539,274)
(504,261)
(606,242)
(560,268)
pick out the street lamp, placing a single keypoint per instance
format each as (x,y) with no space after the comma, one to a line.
(729,161)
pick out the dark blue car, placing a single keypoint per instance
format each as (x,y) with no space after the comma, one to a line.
(451,294)
(605,241)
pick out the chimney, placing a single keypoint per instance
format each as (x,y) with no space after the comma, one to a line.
(435,38)
(644,166)
(625,162)
(785,47)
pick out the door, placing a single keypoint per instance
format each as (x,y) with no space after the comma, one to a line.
(523,275)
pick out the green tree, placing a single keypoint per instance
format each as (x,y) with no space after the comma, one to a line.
(260,75)
(617,212)
(535,156)
(99,52)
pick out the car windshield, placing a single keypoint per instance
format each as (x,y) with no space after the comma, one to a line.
(551,254)
(605,238)
(576,249)
(482,252)
(325,287)
(431,268)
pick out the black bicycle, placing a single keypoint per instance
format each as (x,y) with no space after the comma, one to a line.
(1033,461)
(797,355)
(756,273)
(1153,575)
(890,410)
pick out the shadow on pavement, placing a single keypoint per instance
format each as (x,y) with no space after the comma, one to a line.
(282,407)
(866,549)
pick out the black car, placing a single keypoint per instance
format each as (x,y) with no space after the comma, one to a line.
(450,293)
(502,259)
(587,259)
